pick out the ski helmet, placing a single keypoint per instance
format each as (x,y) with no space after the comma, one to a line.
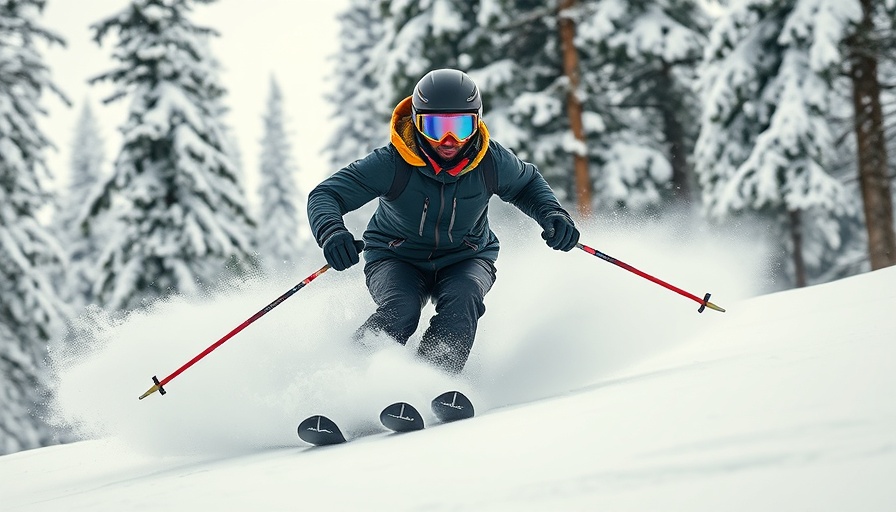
(446,90)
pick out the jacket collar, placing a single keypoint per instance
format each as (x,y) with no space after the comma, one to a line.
(402,137)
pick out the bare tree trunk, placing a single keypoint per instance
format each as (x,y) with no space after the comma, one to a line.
(796,238)
(574,107)
(872,157)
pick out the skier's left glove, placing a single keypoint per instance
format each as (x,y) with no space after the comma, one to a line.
(560,233)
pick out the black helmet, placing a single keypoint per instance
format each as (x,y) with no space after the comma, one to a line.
(446,90)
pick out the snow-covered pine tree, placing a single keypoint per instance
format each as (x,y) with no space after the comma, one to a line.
(627,139)
(182,214)
(85,173)
(766,140)
(232,147)
(361,117)
(31,313)
(524,89)
(640,61)
(279,240)
(418,37)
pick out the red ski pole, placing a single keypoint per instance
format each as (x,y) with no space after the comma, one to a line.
(158,386)
(704,302)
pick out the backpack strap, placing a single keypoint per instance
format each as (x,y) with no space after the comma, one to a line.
(489,173)
(403,172)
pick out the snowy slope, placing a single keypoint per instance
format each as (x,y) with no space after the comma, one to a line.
(596,391)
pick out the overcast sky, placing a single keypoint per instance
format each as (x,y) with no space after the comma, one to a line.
(293,40)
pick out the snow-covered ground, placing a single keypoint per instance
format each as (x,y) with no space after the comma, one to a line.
(596,390)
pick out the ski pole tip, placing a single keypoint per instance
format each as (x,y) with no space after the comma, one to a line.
(149,392)
(710,305)
(156,387)
(706,304)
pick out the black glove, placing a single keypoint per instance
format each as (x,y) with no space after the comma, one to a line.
(560,233)
(341,250)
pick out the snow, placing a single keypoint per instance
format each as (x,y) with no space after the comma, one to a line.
(595,390)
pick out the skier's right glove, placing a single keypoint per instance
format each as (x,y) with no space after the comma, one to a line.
(340,250)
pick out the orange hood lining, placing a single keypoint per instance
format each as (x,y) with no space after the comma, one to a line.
(402,137)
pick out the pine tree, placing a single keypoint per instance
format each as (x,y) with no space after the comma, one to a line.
(361,116)
(279,232)
(525,90)
(181,216)
(30,312)
(641,59)
(418,37)
(85,173)
(634,93)
(766,140)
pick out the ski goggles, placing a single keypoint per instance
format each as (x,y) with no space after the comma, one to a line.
(436,127)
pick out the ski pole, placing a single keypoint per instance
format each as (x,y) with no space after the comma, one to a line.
(158,384)
(704,302)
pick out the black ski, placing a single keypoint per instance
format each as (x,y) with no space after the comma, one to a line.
(401,417)
(320,431)
(452,406)
(398,417)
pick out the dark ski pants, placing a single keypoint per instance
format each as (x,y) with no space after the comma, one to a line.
(401,290)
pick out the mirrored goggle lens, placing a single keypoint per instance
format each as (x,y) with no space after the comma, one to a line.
(436,126)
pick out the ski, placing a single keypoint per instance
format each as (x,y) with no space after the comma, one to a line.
(398,417)
(320,431)
(401,417)
(452,406)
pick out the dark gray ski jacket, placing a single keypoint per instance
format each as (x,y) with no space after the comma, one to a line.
(441,217)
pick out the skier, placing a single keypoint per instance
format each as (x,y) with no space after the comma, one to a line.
(429,239)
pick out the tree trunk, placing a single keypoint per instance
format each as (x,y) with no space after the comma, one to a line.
(574,107)
(675,139)
(872,150)
(796,238)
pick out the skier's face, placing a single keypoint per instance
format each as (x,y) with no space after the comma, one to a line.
(448,147)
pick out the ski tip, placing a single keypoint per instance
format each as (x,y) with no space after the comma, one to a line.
(401,417)
(452,406)
(320,431)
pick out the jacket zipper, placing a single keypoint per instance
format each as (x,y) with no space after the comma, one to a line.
(451,223)
(423,217)
(439,216)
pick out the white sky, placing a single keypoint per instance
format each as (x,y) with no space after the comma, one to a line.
(293,40)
